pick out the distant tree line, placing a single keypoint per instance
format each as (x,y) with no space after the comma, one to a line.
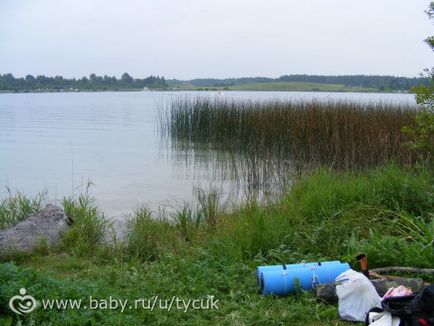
(380,82)
(92,83)
(375,81)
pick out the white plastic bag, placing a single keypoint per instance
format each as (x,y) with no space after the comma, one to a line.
(356,296)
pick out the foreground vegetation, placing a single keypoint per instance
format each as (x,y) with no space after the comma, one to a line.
(206,249)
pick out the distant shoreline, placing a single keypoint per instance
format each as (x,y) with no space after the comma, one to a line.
(285,83)
(200,90)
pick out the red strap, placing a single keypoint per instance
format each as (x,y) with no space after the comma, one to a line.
(423,322)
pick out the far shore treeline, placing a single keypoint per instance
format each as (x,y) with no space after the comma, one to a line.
(30,83)
(92,83)
(366,82)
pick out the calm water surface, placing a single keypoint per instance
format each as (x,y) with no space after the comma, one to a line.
(61,141)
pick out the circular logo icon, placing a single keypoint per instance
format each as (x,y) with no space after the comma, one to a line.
(22,303)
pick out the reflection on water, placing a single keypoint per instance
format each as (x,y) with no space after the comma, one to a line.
(60,141)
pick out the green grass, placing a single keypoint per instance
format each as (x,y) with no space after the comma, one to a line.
(18,207)
(148,236)
(195,276)
(204,250)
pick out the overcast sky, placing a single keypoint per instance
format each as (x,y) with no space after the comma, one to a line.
(214,38)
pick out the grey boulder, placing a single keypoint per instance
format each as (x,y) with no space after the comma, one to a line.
(46,225)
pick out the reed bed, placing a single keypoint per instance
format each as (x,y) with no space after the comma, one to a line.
(335,134)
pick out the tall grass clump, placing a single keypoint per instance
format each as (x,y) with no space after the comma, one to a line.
(187,220)
(329,207)
(17,207)
(148,236)
(88,225)
(325,193)
(208,210)
(337,134)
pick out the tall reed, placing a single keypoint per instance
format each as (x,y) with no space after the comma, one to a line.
(336,134)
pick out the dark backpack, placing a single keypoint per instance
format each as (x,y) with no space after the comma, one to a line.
(413,310)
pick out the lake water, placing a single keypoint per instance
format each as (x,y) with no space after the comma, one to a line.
(61,141)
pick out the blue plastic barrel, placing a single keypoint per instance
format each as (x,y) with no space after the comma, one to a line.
(282,282)
(269,268)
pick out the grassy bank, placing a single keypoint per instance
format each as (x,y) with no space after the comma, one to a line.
(278,86)
(300,87)
(204,249)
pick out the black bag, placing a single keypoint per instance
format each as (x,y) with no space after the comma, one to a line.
(413,310)
(425,301)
